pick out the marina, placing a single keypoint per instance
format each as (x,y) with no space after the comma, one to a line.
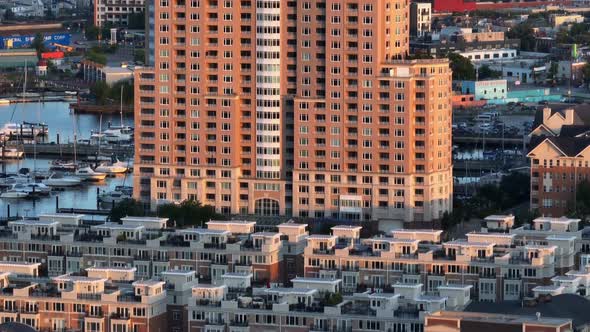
(65,163)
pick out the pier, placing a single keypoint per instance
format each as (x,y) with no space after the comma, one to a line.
(81,150)
(98,109)
(489,140)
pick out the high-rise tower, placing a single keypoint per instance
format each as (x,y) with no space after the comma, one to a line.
(303,108)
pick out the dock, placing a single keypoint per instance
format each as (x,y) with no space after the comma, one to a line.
(97,109)
(94,212)
(489,140)
(489,165)
(82,150)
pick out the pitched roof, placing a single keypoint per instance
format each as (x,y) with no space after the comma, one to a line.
(574,130)
(570,146)
(581,113)
(570,306)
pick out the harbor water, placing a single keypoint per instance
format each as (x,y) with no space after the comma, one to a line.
(60,121)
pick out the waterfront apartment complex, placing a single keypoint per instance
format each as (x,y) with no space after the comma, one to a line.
(299,108)
(61,272)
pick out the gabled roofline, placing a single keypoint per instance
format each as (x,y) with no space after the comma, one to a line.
(553,144)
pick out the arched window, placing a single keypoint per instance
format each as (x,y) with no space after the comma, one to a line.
(267,207)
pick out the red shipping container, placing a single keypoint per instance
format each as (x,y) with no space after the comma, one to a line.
(52,55)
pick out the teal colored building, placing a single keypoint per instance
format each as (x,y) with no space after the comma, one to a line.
(485,90)
(527,96)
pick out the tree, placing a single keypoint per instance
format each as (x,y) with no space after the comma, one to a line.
(101,92)
(463,69)
(39,43)
(581,208)
(188,213)
(485,72)
(333,299)
(139,55)
(91,32)
(115,92)
(96,57)
(524,32)
(136,21)
(9,15)
(586,72)
(127,207)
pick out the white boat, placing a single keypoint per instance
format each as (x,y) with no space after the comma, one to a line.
(117,134)
(65,181)
(36,188)
(25,130)
(115,196)
(10,153)
(4,101)
(87,173)
(120,133)
(63,165)
(28,95)
(117,167)
(14,193)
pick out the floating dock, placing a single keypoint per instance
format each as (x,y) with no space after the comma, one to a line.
(82,150)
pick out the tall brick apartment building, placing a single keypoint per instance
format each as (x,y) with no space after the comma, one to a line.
(560,158)
(303,108)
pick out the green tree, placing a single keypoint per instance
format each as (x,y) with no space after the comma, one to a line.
(136,21)
(127,207)
(586,72)
(38,43)
(115,92)
(139,55)
(9,15)
(462,67)
(91,32)
(485,73)
(581,208)
(188,213)
(96,57)
(100,90)
(524,32)
(333,299)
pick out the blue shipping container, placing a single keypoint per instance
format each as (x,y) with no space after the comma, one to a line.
(26,41)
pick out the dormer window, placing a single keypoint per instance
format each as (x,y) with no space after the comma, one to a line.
(481,254)
(406,250)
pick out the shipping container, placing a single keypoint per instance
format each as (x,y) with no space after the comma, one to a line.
(52,55)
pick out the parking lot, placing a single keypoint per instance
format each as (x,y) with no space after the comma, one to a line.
(512,121)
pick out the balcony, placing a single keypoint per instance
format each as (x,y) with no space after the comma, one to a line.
(323,251)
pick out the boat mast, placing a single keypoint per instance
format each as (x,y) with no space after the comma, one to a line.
(99,136)
(121,106)
(75,137)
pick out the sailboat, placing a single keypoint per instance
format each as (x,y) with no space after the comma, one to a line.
(23,129)
(115,134)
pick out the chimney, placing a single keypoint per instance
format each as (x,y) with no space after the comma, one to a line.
(569,116)
(546,114)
